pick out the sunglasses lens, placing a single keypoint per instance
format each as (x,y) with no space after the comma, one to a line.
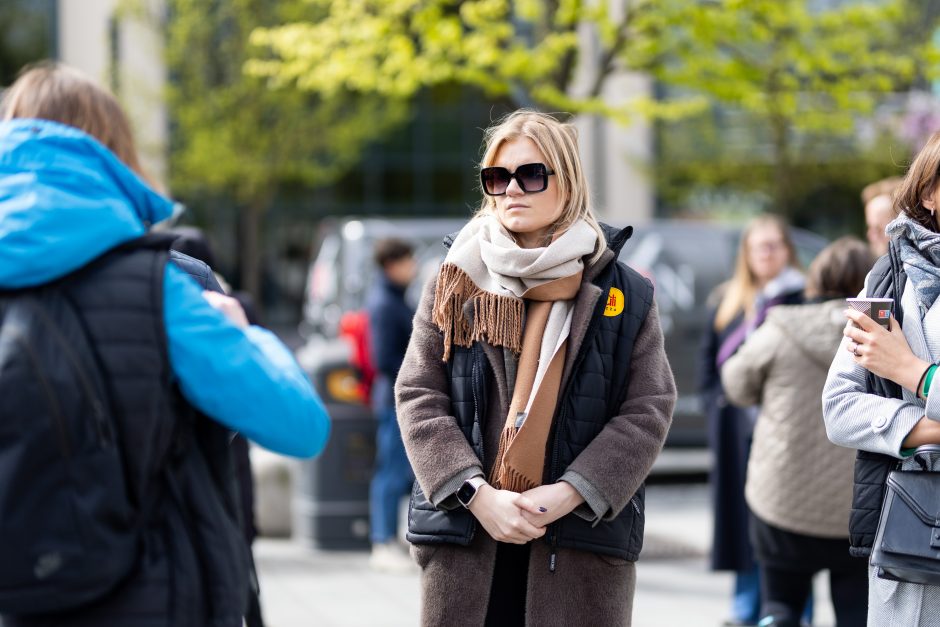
(495,180)
(532,177)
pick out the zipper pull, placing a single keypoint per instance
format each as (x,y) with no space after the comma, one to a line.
(551,562)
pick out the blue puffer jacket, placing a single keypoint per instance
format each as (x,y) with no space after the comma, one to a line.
(66,199)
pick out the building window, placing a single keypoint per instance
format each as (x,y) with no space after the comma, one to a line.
(27,35)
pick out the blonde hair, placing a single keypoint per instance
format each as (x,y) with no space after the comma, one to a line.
(56,92)
(558,143)
(920,181)
(740,293)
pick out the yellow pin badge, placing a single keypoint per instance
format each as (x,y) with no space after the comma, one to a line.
(615,303)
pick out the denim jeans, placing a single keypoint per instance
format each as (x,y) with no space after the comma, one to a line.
(747,598)
(391,479)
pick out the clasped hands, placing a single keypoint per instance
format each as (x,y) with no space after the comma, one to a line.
(519,518)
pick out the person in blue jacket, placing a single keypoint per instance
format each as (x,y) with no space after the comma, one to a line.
(390,330)
(72,189)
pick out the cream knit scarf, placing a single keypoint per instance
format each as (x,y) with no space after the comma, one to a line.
(521,299)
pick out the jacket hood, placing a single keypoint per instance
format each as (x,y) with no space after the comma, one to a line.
(816,329)
(64,200)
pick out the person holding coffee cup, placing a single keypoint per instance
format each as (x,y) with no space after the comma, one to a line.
(799,485)
(859,418)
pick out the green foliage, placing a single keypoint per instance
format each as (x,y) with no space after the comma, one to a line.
(781,60)
(26,35)
(800,77)
(524,52)
(235,134)
(787,87)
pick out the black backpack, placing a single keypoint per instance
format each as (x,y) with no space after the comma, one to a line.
(69,533)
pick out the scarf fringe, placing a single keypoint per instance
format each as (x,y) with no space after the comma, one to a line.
(502,476)
(496,319)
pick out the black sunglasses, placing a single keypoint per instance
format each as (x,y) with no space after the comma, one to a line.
(531,177)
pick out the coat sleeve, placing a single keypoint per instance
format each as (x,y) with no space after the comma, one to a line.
(745,372)
(245,379)
(437,449)
(858,419)
(620,457)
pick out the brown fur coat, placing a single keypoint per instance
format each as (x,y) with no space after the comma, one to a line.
(586,588)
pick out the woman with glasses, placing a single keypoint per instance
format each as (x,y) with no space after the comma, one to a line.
(765,274)
(533,398)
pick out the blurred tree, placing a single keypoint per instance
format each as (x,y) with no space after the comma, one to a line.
(27,35)
(798,75)
(522,52)
(796,68)
(234,137)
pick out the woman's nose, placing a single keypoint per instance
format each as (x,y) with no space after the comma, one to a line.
(513,189)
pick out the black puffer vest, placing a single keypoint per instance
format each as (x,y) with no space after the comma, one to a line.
(593,394)
(120,301)
(886,280)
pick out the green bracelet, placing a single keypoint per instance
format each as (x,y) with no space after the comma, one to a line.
(929,378)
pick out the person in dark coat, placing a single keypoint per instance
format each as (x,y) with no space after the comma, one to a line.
(193,242)
(389,329)
(766,274)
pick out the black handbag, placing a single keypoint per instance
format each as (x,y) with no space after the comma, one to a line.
(907,543)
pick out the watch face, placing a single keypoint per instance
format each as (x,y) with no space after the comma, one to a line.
(465,493)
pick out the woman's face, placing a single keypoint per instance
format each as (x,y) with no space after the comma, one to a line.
(767,253)
(528,215)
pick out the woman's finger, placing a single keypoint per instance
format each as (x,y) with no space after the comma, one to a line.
(864,321)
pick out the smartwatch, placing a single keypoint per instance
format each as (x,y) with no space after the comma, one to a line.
(468,490)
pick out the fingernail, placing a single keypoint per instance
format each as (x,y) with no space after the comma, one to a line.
(542,509)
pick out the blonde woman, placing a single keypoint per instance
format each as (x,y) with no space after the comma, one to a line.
(766,273)
(533,398)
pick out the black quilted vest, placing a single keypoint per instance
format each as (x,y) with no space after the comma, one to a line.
(593,394)
(886,280)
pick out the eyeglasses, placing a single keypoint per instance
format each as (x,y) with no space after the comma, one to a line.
(531,177)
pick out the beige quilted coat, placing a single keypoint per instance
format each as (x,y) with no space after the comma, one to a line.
(797,479)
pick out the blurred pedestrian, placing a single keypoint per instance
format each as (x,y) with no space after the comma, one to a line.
(389,330)
(533,399)
(131,522)
(878,199)
(904,359)
(799,485)
(766,274)
(193,242)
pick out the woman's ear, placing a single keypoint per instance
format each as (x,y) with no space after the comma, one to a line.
(929,204)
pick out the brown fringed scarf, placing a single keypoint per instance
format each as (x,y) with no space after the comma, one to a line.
(521,299)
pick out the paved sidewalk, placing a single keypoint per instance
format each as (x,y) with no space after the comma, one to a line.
(301,587)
